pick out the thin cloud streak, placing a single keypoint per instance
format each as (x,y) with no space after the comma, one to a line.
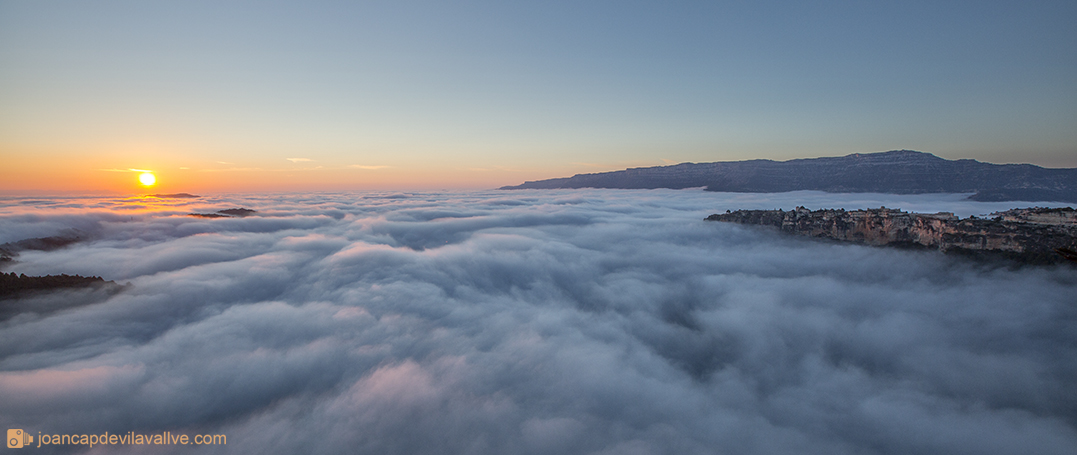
(125,170)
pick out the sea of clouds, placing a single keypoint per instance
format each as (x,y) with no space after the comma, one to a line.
(531,322)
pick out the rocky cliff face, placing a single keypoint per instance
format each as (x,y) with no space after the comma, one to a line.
(1035,235)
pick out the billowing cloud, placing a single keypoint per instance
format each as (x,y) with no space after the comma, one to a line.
(298,160)
(589,321)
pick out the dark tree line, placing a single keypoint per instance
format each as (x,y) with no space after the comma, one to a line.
(12,284)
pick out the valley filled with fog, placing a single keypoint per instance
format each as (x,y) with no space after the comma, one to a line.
(531,322)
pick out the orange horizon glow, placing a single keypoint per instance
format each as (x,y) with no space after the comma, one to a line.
(120,175)
(120,182)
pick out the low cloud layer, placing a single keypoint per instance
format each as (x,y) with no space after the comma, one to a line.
(589,322)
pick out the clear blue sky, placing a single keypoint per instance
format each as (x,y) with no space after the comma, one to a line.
(489,93)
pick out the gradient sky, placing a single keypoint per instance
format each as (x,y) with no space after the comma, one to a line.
(256,96)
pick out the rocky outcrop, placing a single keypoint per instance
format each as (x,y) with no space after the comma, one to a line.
(1034,235)
(897,172)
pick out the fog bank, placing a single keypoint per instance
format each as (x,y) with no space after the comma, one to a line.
(587,321)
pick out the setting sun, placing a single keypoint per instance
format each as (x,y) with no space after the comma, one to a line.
(147,179)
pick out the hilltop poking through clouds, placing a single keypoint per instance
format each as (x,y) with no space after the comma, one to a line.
(897,172)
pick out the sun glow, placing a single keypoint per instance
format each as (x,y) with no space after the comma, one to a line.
(147,179)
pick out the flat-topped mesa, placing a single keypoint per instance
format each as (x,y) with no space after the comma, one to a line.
(1035,235)
(1041,215)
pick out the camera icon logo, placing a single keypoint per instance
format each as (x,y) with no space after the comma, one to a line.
(18,438)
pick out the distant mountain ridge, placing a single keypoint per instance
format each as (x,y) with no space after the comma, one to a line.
(897,172)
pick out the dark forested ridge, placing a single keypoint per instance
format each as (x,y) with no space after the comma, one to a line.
(227,213)
(12,285)
(898,172)
(10,250)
